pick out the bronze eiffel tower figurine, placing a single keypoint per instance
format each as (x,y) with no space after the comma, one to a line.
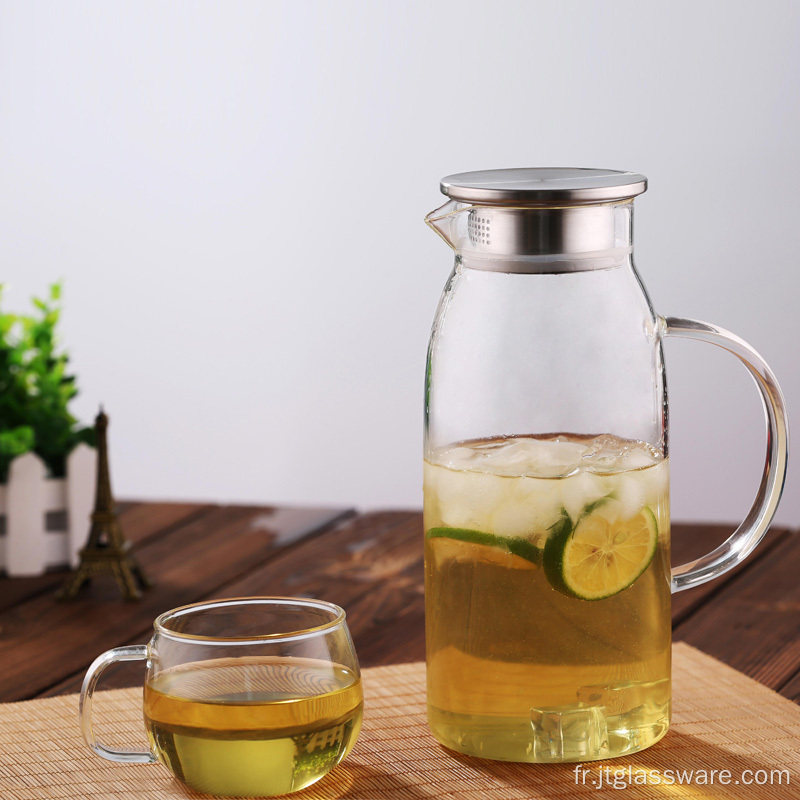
(106,550)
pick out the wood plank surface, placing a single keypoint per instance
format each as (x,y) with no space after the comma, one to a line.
(689,542)
(372,565)
(753,623)
(42,641)
(791,688)
(139,522)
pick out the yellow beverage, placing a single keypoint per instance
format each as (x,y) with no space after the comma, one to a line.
(252,726)
(547,597)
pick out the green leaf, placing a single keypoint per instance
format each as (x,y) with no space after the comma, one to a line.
(14,443)
(17,441)
(35,388)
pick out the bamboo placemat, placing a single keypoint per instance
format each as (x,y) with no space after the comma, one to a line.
(722,720)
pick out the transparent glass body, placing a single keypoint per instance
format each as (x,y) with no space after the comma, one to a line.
(244,697)
(546,483)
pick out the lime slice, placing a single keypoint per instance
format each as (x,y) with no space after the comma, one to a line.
(515,545)
(443,550)
(597,558)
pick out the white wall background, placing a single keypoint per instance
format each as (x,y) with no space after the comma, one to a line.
(233,193)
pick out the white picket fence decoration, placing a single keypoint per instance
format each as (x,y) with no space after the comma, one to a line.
(27,547)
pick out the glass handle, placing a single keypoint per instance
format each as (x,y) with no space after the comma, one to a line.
(129,756)
(744,539)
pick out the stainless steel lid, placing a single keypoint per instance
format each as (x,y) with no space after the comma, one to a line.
(543,186)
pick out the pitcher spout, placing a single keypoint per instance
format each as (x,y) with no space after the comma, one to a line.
(443,221)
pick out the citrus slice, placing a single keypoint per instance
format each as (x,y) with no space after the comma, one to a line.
(444,550)
(515,545)
(597,558)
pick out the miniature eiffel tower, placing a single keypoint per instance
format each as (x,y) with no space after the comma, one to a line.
(106,549)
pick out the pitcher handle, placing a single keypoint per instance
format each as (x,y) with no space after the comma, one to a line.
(744,539)
(131,653)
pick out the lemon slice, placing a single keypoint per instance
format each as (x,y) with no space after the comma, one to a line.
(597,558)
(515,545)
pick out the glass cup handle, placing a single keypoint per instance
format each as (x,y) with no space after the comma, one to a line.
(128,756)
(744,539)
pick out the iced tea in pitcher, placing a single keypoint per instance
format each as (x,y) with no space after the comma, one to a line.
(547,580)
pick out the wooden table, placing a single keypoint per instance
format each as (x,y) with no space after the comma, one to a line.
(369,563)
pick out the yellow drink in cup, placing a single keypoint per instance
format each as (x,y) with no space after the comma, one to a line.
(244,726)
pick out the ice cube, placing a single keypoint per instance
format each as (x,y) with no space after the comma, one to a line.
(630,491)
(469,499)
(608,454)
(533,457)
(512,520)
(578,491)
(627,705)
(614,699)
(568,733)
(637,458)
(458,458)
(512,459)
(602,453)
(656,483)
(552,458)
(610,510)
(532,505)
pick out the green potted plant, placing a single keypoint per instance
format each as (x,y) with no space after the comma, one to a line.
(35,392)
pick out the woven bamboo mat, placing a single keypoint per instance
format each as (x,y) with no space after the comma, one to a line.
(722,720)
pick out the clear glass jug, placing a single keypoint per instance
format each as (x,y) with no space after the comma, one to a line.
(546,473)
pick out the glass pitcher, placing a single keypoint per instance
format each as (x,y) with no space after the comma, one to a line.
(546,473)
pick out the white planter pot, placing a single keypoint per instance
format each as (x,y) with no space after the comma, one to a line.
(44,522)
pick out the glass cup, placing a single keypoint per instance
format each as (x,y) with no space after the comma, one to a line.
(255,696)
